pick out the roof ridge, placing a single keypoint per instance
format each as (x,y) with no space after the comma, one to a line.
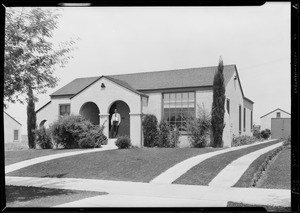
(172,70)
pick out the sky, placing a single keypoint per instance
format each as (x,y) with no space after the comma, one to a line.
(116,40)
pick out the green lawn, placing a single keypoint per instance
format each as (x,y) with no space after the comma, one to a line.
(141,165)
(21,155)
(23,196)
(278,174)
(246,179)
(203,173)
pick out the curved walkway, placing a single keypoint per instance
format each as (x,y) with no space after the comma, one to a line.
(22,164)
(173,173)
(233,171)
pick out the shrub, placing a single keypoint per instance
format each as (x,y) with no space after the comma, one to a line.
(150,130)
(93,138)
(123,142)
(68,130)
(43,138)
(256,132)
(265,134)
(174,137)
(168,136)
(199,128)
(243,140)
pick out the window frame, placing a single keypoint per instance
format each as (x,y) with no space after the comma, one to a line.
(16,130)
(188,102)
(244,116)
(59,109)
(278,115)
(240,119)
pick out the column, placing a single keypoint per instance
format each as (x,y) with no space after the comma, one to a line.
(104,120)
(136,129)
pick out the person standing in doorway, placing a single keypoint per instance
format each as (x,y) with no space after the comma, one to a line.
(115,123)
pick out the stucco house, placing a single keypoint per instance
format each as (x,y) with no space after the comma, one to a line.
(265,120)
(12,129)
(170,95)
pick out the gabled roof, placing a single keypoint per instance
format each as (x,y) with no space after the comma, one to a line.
(43,107)
(138,82)
(274,111)
(75,86)
(12,118)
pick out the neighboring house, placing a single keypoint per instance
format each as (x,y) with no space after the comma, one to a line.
(170,95)
(265,120)
(12,129)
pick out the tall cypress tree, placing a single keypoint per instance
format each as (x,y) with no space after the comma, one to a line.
(218,110)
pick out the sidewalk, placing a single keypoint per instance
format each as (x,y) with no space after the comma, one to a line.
(234,171)
(212,195)
(173,173)
(26,163)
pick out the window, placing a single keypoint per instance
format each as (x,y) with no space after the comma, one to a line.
(64,109)
(178,107)
(16,135)
(251,122)
(244,119)
(228,106)
(240,119)
(278,114)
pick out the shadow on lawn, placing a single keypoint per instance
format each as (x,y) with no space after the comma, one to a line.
(24,193)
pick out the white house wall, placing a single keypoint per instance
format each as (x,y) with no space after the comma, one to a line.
(104,98)
(50,113)
(154,105)
(266,120)
(9,126)
(234,93)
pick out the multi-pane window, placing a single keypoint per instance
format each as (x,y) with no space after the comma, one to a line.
(240,119)
(16,135)
(251,121)
(178,107)
(64,109)
(278,115)
(244,119)
(228,106)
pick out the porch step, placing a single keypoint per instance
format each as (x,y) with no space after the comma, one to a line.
(111,143)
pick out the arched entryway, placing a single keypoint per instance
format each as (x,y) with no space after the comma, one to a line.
(91,112)
(123,110)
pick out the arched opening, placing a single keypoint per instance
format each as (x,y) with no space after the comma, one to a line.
(123,110)
(90,111)
(42,124)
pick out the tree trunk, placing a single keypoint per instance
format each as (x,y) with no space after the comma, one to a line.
(31,119)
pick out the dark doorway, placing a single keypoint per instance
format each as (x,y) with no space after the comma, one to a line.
(123,110)
(90,111)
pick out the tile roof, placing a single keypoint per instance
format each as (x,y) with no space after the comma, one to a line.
(137,82)
(75,86)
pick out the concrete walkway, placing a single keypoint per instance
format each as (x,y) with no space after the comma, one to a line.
(234,171)
(26,163)
(173,173)
(173,194)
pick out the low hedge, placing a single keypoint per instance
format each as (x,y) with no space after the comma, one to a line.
(123,142)
(243,140)
(263,167)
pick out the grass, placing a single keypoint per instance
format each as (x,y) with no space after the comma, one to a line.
(246,179)
(140,165)
(21,155)
(278,174)
(24,196)
(203,173)
(267,207)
